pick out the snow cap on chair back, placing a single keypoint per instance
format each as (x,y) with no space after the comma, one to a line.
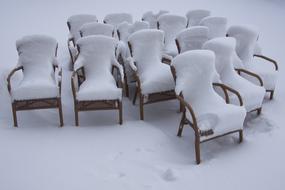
(95,28)
(117,18)
(125,29)
(76,21)
(217,26)
(246,37)
(36,55)
(151,18)
(195,16)
(192,38)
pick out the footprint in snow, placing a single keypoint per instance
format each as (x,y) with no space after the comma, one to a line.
(168,175)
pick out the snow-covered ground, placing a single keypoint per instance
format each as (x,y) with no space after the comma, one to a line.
(100,154)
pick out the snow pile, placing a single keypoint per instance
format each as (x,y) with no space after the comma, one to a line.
(217,26)
(117,18)
(95,28)
(210,109)
(195,16)
(151,18)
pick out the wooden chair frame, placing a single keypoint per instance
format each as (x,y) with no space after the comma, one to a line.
(43,103)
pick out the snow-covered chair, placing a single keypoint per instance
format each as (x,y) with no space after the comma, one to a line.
(40,87)
(253,67)
(95,28)
(151,18)
(154,79)
(191,38)
(74,23)
(124,30)
(217,26)
(205,111)
(194,17)
(99,90)
(117,18)
(251,95)
(171,25)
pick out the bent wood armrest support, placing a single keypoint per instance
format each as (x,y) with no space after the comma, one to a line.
(250,74)
(10,76)
(121,78)
(74,77)
(226,88)
(167,59)
(268,59)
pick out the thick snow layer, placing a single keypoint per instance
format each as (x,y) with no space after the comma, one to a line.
(139,154)
(195,16)
(76,21)
(95,28)
(224,48)
(217,26)
(147,46)
(151,17)
(210,109)
(192,38)
(117,18)
(97,55)
(171,25)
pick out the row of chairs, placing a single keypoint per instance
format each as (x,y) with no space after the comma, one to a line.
(214,94)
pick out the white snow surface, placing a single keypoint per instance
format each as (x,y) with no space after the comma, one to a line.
(95,28)
(100,154)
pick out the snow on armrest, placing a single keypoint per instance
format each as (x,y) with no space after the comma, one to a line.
(168,57)
(120,67)
(132,63)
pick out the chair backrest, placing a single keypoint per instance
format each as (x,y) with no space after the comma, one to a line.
(195,16)
(95,28)
(195,70)
(171,25)
(36,55)
(246,38)
(116,18)
(125,29)
(76,21)
(151,18)
(217,26)
(224,49)
(192,38)
(96,54)
(146,48)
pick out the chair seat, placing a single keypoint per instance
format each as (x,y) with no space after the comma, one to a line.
(157,79)
(37,88)
(99,89)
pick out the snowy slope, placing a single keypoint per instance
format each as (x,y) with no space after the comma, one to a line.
(139,154)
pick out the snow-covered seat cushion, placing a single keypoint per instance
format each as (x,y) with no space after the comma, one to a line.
(210,109)
(116,18)
(224,48)
(194,17)
(171,25)
(217,26)
(95,28)
(97,56)
(147,47)
(151,18)
(192,38)
(37,56)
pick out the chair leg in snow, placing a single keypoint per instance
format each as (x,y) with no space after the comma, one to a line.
(135,96)
(181,125)
(14,115)
(120,112)
(76,116)
(141,107)
(240,136)
(271,94)
(60,112)
(259,111)
(197,148)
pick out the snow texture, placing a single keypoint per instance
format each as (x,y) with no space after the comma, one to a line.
(95,28)
(151,18)
(195,16)
(217,26)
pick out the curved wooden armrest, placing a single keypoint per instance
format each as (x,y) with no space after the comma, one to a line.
(73,78)
(10,76)
(250,74)
(226,88)
(268,59)
(121,81)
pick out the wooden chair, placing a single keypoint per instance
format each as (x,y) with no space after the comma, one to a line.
(40,87)
(98,89)
(217,26)
(251,66)
(153,77)
(195,16)
(204,111)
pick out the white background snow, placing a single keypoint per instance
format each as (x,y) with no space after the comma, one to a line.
(100,154)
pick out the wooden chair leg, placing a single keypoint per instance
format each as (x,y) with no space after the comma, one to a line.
(60,112)
(135,96)
(181,107)
(240,136)
(76,115)
(120,112)
(141,107)
(181,125)
(126,86)
(14,115)
(271,94)
(259,111)
(197,148)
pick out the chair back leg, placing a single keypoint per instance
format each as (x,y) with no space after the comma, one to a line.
(120,112)
(14,115)
(76,115)
(240,136)
(197,148)
(141,107)
(60,112)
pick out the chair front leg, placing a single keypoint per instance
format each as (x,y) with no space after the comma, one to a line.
(181,125)
(135,96)
(60,112)
(120,107)
(76,114)
(240,136)
(141,106)
(197,148)
(14,110)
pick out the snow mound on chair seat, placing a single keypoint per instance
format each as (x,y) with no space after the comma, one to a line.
(36,55)
(195,16)
(117,18)
(76,21)
(171,25)
(224,49)
(210,109)
(95,28)
(151,18)
(217,26)
(192,38)
(97,55)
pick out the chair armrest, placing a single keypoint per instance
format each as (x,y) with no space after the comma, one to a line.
(75,82)
(268,59)
(250,74)
(10,76)
(132,64)
(226,88)
(117,65)
(167,59)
